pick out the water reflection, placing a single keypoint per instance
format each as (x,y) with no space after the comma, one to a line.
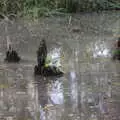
(73,96)
(50,94)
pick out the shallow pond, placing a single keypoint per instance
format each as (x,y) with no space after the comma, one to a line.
(90,88)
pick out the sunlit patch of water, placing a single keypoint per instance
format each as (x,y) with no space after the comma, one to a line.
(56,93)
(99,49)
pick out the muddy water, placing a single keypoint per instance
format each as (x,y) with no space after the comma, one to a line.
(89,90)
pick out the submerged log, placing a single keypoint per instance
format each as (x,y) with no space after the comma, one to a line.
(52,71)
(47,71)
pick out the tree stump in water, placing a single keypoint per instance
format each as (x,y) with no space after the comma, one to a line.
(12,55)
(40,69)
(116,53)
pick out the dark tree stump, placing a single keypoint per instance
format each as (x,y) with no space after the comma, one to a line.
(40,68)
(37,70)
(12,56)
(116,57)
(116,53)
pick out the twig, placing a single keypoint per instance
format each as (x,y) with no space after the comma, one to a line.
(70,19)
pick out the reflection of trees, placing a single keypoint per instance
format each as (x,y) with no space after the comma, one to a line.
(70,92)
(42,91)
(49,97)
(43,98)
